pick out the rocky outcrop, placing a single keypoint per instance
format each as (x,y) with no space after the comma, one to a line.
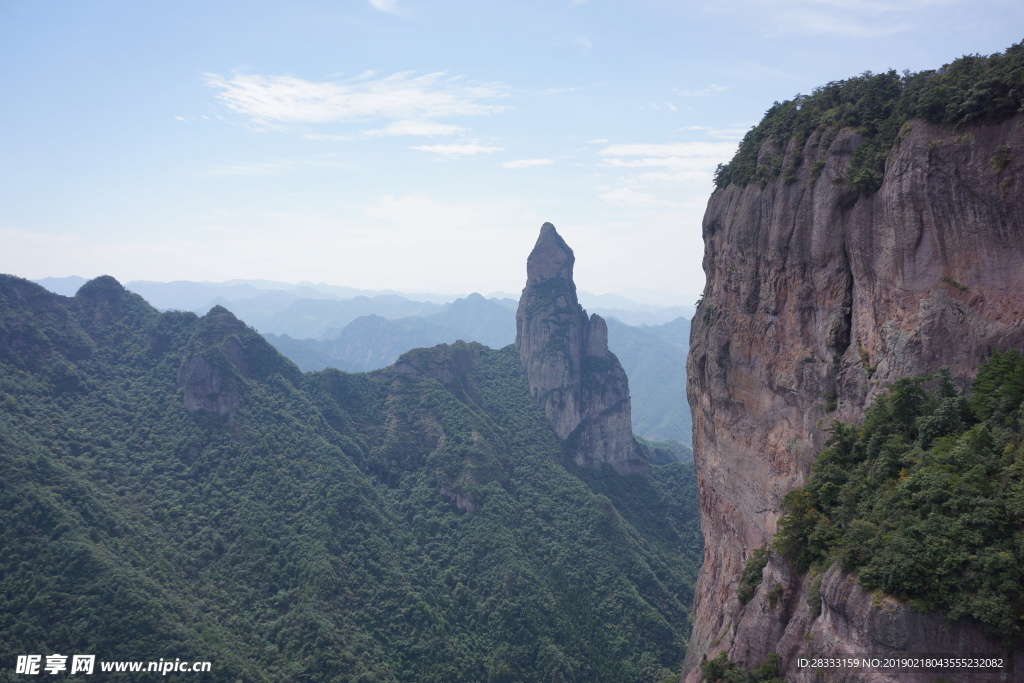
(220,358)
(573,376)
(817,298)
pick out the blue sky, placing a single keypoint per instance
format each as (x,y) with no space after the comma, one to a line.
(411,144)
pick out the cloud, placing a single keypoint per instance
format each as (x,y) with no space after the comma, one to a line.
(584,43)
(527,163)
(845,18)
(672,149)
(722,133)
(703,92)
(458,150)
(676,163)
(402,97)
(385,6)
(275,167)
(326,137)
(424,128)
(631,199)
(556,91)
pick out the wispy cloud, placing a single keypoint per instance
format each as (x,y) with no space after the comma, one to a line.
(389,6)
(631,199)
(722,133)
(275,167)
(424,128)
(702,92)
(671,149)
(676,163)
(327,137)
(843,18)
(404,98)
(458,150)
(528,163)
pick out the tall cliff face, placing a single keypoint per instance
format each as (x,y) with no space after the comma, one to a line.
(573,376)
(818,298)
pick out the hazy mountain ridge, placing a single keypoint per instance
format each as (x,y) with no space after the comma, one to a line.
(634,306)
(370,332)
(650,355)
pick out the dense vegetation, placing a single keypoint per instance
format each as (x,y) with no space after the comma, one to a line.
(972,89)
(415,523)
(925,499)
(721,669)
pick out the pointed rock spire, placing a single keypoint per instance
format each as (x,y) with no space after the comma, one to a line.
(573,376)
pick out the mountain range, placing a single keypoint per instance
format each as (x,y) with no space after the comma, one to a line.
(317,329)
(173,487)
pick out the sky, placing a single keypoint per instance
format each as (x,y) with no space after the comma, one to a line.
(414,145)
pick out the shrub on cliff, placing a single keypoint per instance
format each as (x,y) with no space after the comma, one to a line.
(925,500)
(752,575)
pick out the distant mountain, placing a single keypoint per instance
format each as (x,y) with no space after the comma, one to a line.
(184,295)
(253,295)
(65,286)
(325,318)
(372,341)
(654,358)
(364,332)
(199,297)
(367,343)
(638,317)
(478,319)
(632,312)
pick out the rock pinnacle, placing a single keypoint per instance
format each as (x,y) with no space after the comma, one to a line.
(573,376)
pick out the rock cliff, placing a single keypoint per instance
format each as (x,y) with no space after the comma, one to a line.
(221,357)
(817,298)
(573,376)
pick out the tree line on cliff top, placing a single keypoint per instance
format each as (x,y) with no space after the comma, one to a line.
(972,89)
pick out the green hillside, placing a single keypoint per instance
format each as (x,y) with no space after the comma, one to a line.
(925,499)
(174,487)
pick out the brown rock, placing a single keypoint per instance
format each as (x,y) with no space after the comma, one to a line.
(818,296)
(573,376)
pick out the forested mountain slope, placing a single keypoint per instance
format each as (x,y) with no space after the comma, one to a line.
(174,487)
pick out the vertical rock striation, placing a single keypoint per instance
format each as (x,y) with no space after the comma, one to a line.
(573,376)
(817,299)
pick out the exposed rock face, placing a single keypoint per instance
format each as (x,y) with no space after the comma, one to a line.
(221,357)
(578,381)
(816,295)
